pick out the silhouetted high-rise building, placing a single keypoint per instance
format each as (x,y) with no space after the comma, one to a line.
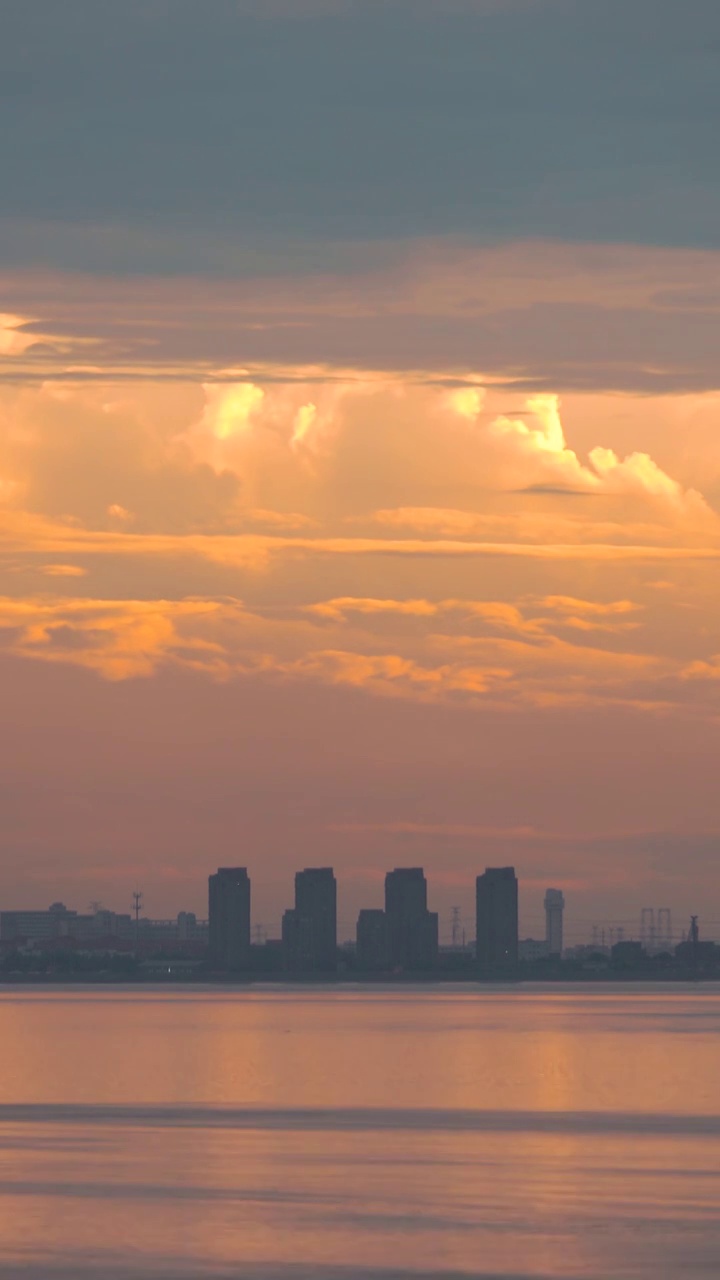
(412,930)
(554,907)
(310,931)
(229,917)
(497,919)
(372,941)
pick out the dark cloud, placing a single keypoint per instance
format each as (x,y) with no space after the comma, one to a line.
(573,118)
(540,343)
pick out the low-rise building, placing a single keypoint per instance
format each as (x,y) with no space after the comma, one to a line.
(531,949)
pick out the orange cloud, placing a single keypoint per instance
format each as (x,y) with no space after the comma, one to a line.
(596,608)
(516,661)
(63,570)
(392,675)
(565,612)
(339,608)
(117,639)
(29,535)
(444,549)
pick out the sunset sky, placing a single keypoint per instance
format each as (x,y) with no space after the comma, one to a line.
(360,450)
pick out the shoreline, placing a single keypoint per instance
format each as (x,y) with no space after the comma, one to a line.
(329,983)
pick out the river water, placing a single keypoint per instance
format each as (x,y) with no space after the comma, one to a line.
(357,1133)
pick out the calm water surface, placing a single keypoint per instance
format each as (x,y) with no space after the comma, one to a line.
(360,1133)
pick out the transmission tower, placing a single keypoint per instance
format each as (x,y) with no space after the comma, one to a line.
(455,926)
(664,928)
(647,928)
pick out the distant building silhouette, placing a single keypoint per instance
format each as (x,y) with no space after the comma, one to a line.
(412,930)
(628,955)
(310,929)
(497,919)
(187,925)
(554,907)
(297,942)
(532,949)
(56,922)
(372,952)
(229,923)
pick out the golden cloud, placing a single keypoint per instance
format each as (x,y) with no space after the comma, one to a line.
(63,570)
(393,675)
(117,639)
(444,550)
(517,662)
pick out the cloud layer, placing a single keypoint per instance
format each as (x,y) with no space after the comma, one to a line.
(233,530)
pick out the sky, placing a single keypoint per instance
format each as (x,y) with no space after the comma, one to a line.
(359,452)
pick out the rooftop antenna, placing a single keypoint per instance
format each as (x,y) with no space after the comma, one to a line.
(694,938)
(137,908)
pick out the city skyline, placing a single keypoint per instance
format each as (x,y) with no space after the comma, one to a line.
(399,942)
(544,922)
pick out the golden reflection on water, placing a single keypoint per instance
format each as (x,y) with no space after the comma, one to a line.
(568,1050)
(377,1174)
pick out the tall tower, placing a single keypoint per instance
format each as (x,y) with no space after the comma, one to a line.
(313,923)
(497,919)
(412,930)
(554,907)
(229,917)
